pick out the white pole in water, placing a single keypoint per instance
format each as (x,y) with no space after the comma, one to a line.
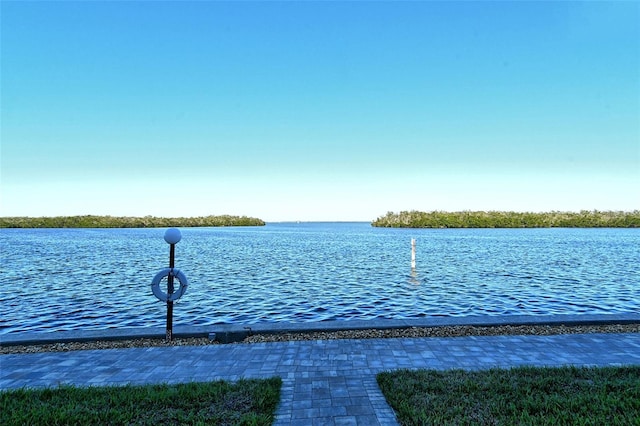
(413,253)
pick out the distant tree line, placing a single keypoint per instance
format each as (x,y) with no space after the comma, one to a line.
(497,219)
(126,222)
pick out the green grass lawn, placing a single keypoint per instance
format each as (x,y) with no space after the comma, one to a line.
(520,396)
(246,402)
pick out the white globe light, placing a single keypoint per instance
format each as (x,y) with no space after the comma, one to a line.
(172,236)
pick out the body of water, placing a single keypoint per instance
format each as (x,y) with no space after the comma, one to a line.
(69,279)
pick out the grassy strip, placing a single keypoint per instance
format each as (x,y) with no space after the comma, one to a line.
(247,402)
(91,221)
(496,219)
(523,396)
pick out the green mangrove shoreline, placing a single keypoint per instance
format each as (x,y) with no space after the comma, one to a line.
(403,219)
(499,219)
(91,221)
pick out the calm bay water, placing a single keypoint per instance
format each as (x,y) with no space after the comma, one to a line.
(68,279)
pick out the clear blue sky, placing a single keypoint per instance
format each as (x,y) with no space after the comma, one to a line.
(318,110)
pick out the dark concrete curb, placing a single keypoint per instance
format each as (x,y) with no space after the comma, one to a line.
(229,333)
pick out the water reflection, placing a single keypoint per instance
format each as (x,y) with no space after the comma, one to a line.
(413,277)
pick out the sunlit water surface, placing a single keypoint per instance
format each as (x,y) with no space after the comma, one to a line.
(70,279)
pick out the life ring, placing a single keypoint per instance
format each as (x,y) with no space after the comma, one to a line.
(177,294)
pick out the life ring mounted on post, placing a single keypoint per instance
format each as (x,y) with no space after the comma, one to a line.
(177,294)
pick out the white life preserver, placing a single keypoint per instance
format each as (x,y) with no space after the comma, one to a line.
(177,294)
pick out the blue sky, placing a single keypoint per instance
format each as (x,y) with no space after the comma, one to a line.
(318,110)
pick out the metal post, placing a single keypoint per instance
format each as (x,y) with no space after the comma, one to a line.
(170,289)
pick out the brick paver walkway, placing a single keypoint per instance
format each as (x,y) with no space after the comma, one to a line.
(328,382)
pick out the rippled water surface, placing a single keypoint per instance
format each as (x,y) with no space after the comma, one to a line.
(65,279)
